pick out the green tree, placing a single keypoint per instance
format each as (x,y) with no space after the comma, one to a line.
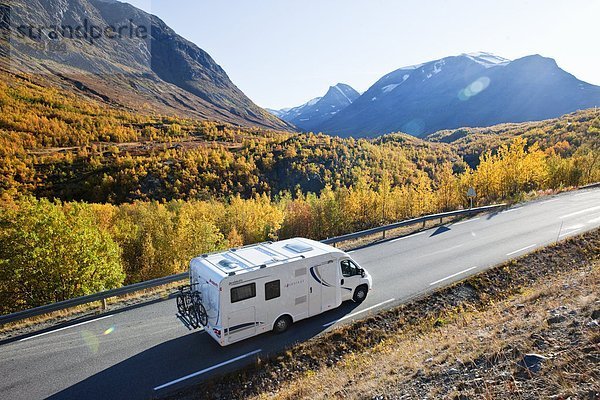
(51,252)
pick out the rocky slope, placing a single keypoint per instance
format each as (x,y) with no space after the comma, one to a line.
(122,55)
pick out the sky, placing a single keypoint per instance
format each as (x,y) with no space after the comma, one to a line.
(282,53)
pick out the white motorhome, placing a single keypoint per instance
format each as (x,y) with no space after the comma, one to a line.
(251,290)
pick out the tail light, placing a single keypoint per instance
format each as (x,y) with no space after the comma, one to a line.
(217,332)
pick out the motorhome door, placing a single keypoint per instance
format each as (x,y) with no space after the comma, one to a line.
(241,324)
(323,289)
(315,288)
(330,296)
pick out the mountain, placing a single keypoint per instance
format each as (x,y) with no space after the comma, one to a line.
(312,114)
(278,113)
(469,90)
(122,55)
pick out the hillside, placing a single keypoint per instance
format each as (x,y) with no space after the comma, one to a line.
(56,143)
(564,134)
(470,90)
(146,67)
(61,144)
(77,172)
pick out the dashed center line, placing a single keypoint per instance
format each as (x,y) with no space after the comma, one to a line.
(570,232)
(452,276)
(549,201)
(407,237)
(466,222)
(511,210)
(587,210)
(207,370)
(521,250)
(357,313)
(582,194)
(66,327)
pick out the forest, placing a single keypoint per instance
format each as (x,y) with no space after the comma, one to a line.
(94,196)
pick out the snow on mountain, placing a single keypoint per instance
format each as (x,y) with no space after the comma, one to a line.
(468,90)
(320,109)
(488,60)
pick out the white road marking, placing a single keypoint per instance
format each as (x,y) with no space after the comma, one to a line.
(580,212)
(357,313)
(583,194)
(511,210)
(593,221)
(523,249)
(549,201)
(452,276)
(570,232)
(207,370)
(442,251)
(466,222)
(407,237)
(574,227)
(66,327)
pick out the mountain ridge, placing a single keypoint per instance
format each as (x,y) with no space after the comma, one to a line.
(319,109)
(468,90)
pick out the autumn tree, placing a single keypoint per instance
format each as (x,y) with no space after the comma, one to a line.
(51,252)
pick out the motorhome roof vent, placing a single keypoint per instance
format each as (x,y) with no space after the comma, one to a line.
(228,264)
(298,248)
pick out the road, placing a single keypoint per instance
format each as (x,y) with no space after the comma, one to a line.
(145,352)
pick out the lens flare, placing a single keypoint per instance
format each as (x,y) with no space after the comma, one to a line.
(109,331)
(474,88)
(91,341)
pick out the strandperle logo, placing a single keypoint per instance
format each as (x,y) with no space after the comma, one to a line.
(85,31)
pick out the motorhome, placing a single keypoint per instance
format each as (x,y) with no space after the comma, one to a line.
(264,287)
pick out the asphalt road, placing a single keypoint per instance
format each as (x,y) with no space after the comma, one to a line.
(146,351)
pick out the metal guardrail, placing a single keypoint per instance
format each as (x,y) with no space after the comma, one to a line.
(62,305)
(409,222)
(590,186)
(102,296)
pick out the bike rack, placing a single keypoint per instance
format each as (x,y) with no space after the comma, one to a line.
(191,311)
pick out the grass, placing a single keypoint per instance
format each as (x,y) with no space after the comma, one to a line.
(476,353)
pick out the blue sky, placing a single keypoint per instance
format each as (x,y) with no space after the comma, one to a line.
(282,53)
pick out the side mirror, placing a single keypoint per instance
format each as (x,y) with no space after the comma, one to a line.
(362,272)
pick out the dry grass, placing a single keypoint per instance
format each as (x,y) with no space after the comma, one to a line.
(476,353)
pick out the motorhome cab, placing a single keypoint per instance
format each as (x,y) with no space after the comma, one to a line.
(245,292)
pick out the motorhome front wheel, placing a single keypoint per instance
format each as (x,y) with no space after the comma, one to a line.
(360,294)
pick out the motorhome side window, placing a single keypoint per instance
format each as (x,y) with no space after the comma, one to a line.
(242,293)
(349,269)
(272,290)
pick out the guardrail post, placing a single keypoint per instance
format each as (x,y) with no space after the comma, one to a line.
(104,305)
(384,234)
